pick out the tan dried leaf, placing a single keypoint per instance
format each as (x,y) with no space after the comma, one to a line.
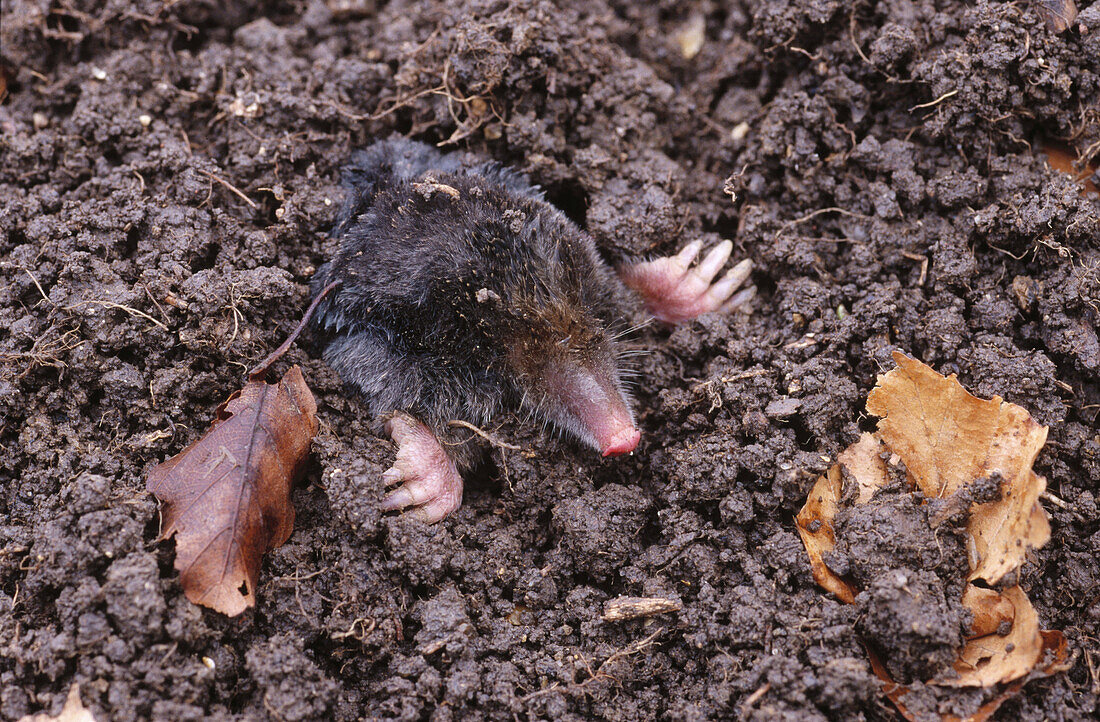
(948,438)
(815,526)
(73,711)
(992,659)
(990,608)
(864,463)
(815,520)
(226,497)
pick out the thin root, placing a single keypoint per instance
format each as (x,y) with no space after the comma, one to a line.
(120,307)
(483,434)
(237,191)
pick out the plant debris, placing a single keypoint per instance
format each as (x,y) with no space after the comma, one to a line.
(621,608)
(1057,14)
(226,497)
(948,442)
(947,438)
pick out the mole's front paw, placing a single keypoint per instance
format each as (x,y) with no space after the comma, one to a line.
(675,292)
(429,479)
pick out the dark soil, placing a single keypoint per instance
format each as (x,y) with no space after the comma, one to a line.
(168,171)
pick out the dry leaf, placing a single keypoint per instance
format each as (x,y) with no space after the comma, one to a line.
(896,694)
(73,711)
(948,438)
(1057,14)
(815,526)
(226,497)
(864,462)
(1054,648)
(990,608)
(991,659)
(815,521)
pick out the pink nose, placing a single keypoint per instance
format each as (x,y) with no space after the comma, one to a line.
(624,442)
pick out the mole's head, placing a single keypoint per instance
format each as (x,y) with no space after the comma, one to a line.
(566,367)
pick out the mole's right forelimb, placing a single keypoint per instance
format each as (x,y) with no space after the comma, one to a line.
(674,291)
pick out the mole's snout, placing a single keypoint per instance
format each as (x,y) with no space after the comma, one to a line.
(597,406)
(624,442)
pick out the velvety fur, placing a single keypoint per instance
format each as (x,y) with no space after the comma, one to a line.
(462,290)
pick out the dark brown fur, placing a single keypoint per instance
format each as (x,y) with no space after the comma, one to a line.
(462,290)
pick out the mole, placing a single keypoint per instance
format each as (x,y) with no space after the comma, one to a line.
(463,294)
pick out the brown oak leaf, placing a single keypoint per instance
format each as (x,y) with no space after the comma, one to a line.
(815,520)
(226,497)
(1057,14)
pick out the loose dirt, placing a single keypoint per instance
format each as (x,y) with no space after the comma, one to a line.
(168,171)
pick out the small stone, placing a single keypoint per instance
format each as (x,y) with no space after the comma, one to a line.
(691,36)
(782,408)
(477,106)
(145,120)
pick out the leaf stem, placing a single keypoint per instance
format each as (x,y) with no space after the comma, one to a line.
(261,369)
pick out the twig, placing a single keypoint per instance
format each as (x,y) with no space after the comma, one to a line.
(754,698)
(231,187)
(622,608)
(275,355)
(1054,500)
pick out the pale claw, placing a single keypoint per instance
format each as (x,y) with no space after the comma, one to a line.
(714,261)
(431,482)
(739,299)
(675,292)
(688,254)
(734,278)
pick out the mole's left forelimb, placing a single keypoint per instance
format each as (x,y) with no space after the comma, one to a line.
(674,291)
(430,482)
